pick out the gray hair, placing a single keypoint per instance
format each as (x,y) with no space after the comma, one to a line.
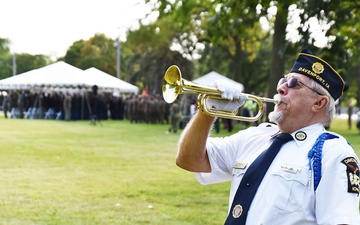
(329,108)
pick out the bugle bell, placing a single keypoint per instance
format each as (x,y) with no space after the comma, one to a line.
(174,84)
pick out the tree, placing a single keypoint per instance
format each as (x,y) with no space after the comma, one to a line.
(5,59)
(230,29)
(343,38)
(147,56)
(26,62)
(278,55)
(73,54)
(98,52)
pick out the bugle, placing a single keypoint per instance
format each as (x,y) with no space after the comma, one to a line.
(174,84)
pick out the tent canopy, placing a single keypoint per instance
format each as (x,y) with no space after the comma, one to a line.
(106,82)
(59,74)
(209,78)
(62,76)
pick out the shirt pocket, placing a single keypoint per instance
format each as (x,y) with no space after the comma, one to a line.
(287,188)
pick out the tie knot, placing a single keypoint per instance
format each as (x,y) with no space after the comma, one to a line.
(284,138)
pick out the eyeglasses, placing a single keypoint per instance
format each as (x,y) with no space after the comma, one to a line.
(294,82)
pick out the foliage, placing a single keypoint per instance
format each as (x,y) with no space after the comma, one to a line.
(148,55)
(224,28)
(73,54)
(98,52)
(229,31)
(223,36)
(4,46)
(6,69)
(24,62)
(343,37)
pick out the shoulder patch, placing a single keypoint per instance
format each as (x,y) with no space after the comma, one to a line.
(353,174)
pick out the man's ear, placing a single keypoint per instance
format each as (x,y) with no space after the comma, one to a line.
(320,103)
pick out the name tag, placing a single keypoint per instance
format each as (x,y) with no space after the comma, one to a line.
(240,165)
(291,169)
(239,168)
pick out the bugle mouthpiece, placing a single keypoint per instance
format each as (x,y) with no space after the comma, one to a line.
(277,99)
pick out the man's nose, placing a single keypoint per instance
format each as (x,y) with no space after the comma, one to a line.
(282,89)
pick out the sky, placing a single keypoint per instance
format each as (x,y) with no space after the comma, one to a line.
(50,27)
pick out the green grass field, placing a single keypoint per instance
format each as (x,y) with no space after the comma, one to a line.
(72,173)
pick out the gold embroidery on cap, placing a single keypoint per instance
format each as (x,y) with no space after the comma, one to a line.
(317,67)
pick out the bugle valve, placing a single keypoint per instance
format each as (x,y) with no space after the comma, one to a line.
(174,84)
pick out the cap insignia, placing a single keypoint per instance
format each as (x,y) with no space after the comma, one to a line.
(317,67)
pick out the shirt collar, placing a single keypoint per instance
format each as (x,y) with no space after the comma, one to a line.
(304,134)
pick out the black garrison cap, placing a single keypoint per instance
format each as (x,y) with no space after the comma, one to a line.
(319,70)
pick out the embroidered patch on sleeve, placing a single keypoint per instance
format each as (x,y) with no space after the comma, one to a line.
(353,174)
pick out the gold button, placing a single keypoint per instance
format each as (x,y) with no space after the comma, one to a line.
(237,211)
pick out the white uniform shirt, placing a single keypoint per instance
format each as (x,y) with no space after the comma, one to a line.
(286,194)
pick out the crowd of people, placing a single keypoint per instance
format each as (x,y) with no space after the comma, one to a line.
(53,105)
(137,108)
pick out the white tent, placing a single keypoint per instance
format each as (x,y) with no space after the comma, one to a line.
(106,82)
(209,78)
(57,75)
(61,76)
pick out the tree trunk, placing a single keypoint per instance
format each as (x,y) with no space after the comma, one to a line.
(278,50)
(358,84)
(237,59)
